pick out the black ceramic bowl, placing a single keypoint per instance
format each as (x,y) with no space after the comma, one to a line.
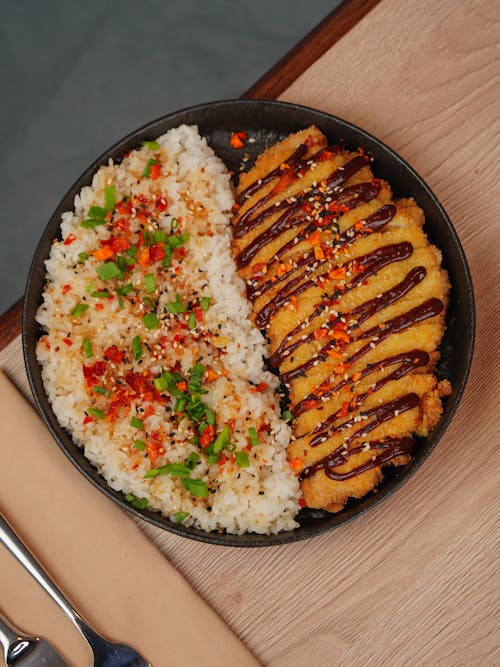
(269,122)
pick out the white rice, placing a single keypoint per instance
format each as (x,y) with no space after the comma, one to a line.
(262,497)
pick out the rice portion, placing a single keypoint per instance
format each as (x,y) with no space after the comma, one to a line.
(152,361)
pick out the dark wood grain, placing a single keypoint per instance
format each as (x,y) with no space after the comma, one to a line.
(309,49)
(272,84)
(10,324)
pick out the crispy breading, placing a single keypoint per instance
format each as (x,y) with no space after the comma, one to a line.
(352,298)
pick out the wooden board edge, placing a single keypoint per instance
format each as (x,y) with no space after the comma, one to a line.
(10,324)
(305,53)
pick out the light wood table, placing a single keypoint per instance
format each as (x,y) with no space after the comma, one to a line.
(412,582)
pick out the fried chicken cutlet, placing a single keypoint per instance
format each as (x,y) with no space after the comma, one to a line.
(352,297)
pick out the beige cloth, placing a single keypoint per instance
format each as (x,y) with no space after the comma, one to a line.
(109,570)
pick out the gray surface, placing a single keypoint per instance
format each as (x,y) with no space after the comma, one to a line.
(77,76)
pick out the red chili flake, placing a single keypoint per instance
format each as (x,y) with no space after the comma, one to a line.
(155,171)
(161,203)
(198,313)
(236,141)
(69,239)
(114,354)
(87,420)
(138,382)
(157,252)
(155,449)
(344,410)
(181,253)
(68,341)
(310,404)
(66,289)
(320,333)
(302,502)
(181,386)
(286,179)
(124,207)
(119,244)
(92,373)
(262,386)
(207,436)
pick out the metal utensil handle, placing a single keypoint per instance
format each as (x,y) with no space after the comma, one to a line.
(18,549)
(8,635)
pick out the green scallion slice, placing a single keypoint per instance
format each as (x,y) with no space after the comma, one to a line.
(221,440)
(103,391)
(176,307)
(192,460)
(152,145)
(213,458)
(96,212)
(92,223)
(176,240)
(140,445)
(174,223)
(89,288)
(150,321)
(180,516)
(191,321)
(109,197)
(205,303)
(254,438)
(242,459)
(287,416)
(95,412)
(175,469)
(136,423)
(149,283)
(168,256)
(196,487)
(138,503)
(160,236)
(147,170)
(83,256)
(104,294)
(180,404)
(161,383)
(79,309)
(125,289)
(137,349)
(109,270)
(87,348)
(210,417)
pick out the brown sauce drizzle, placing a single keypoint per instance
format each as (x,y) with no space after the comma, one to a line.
(373,262)
(381,413)
(424,311)
(338,177)
(392,447)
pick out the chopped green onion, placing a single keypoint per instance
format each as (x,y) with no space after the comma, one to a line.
(176,469)
(96,212)
(104,294)
(149,282)
(109,270)
(195,440)
(79,309)
(210,417)
(83,256)
(192,460)
(137,350)
(160,236)
(180,516)
(197,370)
(221,440)
(136,423)
(196,487)
(254,438)
(205,303)
(95,412)
(126,289)
(168,256)
(180,404)
(109,197)
(138,503)
(120,302)
(150,321)
(152,145)
(92,223)
(176,307)
(191,321)
(242,460)
(161,383)
(213,458)
(177,241)
(174,223)
(103,391)
(140,445)
(87,348)
(89,288)
(147,170)
(287,416)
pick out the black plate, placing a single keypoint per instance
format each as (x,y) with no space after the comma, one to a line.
(269,122)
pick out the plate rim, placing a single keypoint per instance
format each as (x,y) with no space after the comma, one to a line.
(250,539)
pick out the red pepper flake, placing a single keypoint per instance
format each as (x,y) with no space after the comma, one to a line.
(161,203)
(182,386)
(259,270)
(87,420)
(94,372)
(296,464)
(262,386)
(207,436)
(119,243)
(144,257)
(198,313)
(114,354)
(66,289)
(310,404)
(155,449)
(237,139)
(69,239)
(320,333)
(68,341)
(98,306)
(286,179)
(155,171)
(344,410)
(302,502)
(157,252)
(222,460)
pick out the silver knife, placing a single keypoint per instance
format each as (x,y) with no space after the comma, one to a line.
(23,651)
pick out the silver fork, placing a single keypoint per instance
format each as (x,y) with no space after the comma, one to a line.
(106,653)
(25,651)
